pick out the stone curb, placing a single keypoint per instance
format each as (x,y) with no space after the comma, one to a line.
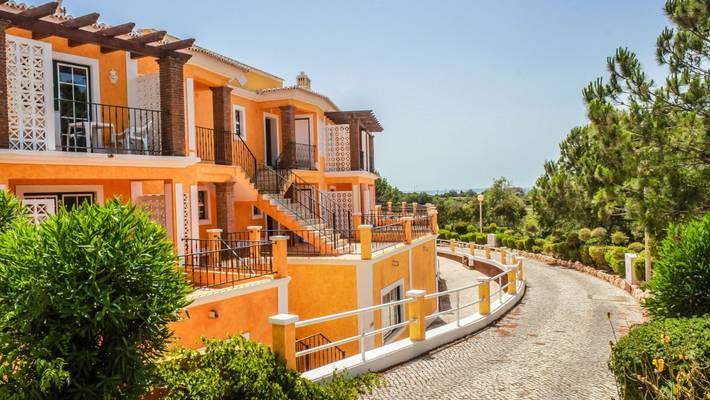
(635,291)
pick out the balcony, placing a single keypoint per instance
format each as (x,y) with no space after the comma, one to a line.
(297,156)
(225,148)
(101,128)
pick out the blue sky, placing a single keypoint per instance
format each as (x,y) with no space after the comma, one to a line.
(467,91)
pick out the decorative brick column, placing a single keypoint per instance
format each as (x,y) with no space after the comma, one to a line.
(4,119)
(222,115)
(225,206)
(288,135)
(371,139)
(172,105)
(355,144)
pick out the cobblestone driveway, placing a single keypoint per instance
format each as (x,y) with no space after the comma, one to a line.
(553,345)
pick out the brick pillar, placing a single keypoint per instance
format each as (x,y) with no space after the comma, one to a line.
(225,206)
(172,105)
(371,139)
(4,121)
(288,135)
(222,114)
(355,144)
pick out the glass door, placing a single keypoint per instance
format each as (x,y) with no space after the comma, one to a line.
(73,97)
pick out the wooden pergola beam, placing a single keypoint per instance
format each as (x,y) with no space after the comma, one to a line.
(117,30)
(44,10)
(177,45)
(104,38)
(150,37)
(80,22)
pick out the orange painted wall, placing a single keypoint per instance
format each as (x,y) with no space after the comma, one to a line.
(112,188)
(424,271)
(317,290)
(385,273)
(246,313)
(244,216)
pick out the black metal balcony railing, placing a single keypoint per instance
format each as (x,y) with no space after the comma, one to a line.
(421,225)
(318,358)
(385,236)
(102,128)
(307,243)
(297,156)
(215,263)
(230,150)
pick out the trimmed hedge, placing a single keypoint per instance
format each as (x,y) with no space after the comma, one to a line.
(614,257)
(664,359)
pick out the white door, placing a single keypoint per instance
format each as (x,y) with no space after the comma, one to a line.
(41,208)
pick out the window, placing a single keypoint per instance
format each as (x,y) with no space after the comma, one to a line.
(203,205)
(73,95)
(240,122)
(256,212)
(392,315)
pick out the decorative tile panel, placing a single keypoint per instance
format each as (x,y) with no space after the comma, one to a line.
(186,220)
(27,75)
(40,209)
(155,206)
(344,200)
(338,137)
(148,88)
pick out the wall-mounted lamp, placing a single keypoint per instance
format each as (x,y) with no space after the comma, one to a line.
(214,314)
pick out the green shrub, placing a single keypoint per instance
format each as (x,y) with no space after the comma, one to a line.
(12,211)
(237,368)
(584,257)
(619,238)
(529,243)
(481,238)
(573,240)
(537,249)
(635,247)
(548,248)
(539,242)
(584,234)
(469,237)
(86,299)
(596,253)
(471,228)
(640,268)
(614,257)
(460,227)
(509,232)
(598,233)
(683,345)
(490,228)
(681,275)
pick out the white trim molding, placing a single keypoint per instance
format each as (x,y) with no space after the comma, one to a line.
(242,122)
(22,190)
(205,296)
(97,159)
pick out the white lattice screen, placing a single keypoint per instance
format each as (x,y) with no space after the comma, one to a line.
(29,94)
(186,220)
(338,148)
(40,209)
(344,200)
(148,87)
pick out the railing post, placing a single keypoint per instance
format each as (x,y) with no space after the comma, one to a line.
(214,245)
(389,207)
(365,241)
(357,221)
(279,255)
(414,208)
(452,245)
(434,221)
(512,277)
(503,256)
(254,236)
(378,213)
(472,248)
(520,267)
(407,229)
(484,296)
(417,328)
(283,338)
(513,260)
(487,249)
(404,207)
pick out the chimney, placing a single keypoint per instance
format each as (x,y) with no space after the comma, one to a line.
(303,81)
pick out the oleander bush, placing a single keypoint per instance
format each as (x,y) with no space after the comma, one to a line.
(237,368)
(86,298)
(681,274)
(664,359)
(12,211)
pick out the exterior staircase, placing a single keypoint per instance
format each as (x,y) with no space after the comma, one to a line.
(298,206)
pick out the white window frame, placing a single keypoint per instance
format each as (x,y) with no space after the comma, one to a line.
(278,133)
(385,290)
(243,120)
(254,214)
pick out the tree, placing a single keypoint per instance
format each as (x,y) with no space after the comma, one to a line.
(502,205)
(85,302)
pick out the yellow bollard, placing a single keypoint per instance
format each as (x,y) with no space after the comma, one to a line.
(389,207)
(484,296)
(452,245)
(512,284)
(254,236)
(434,221)
(357,221)
(472,249)
(214,246)
(488,252)
(503,257)
(513,260)
(417,328)
(520,266)
(283,337)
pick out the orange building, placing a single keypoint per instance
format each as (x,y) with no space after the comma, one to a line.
(225,157)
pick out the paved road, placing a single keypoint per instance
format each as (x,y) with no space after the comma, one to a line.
(453,275)
(553,345)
